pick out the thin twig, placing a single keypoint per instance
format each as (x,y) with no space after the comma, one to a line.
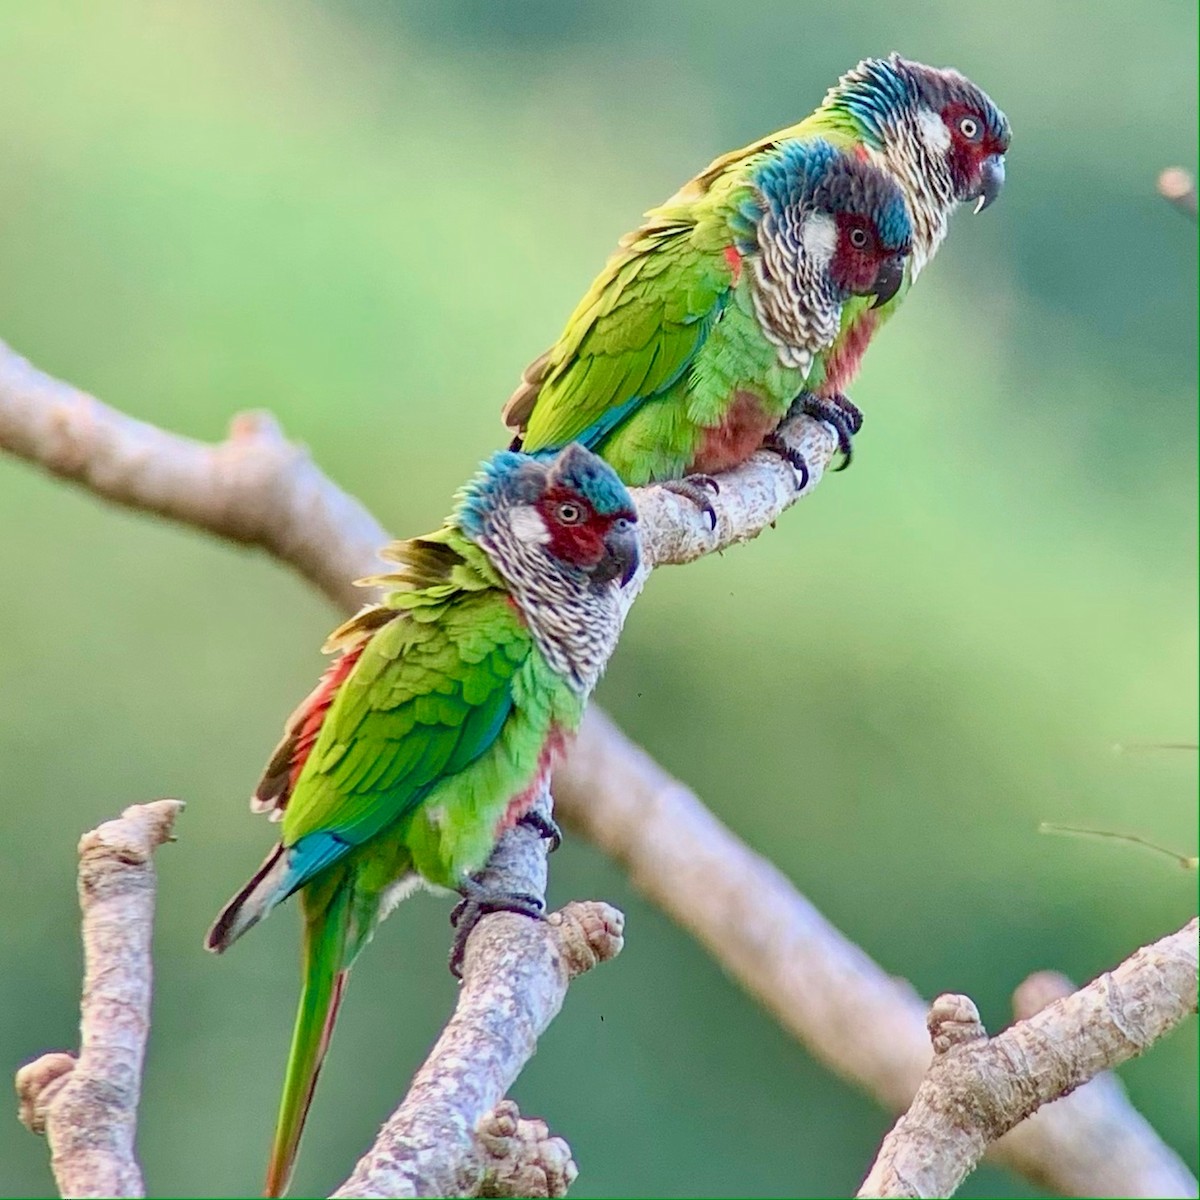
(87,1106)
(1177,185)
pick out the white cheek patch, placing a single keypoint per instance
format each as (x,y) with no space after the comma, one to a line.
(933,131)
(820,238)
(527,524)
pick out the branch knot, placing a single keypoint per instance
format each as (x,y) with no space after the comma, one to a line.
(590,932)
(521,1156)
(953,1022)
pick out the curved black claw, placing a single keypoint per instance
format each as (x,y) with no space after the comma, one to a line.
(696,488)
(777,445)
(477,901)
(543,826)
(836,410)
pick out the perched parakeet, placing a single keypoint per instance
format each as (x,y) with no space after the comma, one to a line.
(734,299)
(436,727)
(939,136)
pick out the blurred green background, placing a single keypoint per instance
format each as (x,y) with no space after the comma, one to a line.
(368,218)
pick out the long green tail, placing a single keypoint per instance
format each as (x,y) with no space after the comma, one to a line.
(327,918)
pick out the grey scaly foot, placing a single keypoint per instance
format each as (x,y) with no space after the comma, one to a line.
(836,410)
(544,826)
(478,899)
(697,489)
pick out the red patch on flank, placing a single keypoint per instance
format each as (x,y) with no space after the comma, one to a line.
(734,259)
(862,153)
(524,800)
(315,707)
(736,438)
(844,359)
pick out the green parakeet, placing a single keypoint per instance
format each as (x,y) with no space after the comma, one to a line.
(436,727)
(751,288)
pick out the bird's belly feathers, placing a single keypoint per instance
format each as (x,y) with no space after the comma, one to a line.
(736,438)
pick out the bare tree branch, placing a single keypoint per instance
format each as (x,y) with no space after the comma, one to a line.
(87,1107)
(979,1088)
(1101,1145)
(1178,186)
(257,488)
(260,489)
(515,977)
(866,1025)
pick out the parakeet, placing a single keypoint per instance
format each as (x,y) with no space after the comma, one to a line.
(938,135)
(736,297)
(436,727)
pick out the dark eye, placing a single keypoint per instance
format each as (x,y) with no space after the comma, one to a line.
(858,239)
(970,128)
(568,513)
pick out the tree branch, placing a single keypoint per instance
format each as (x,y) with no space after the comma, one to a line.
(863,1023)
(979,1088)
(257,487)
(87,1106)
(522,1159)
(866,1025)
(515,977)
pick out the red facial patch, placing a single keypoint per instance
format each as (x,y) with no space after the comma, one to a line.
(854,268)
(581,541)
(966,156)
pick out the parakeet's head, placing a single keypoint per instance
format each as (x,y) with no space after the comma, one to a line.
(827,225)
(872,235)
(545,517)
(932,125)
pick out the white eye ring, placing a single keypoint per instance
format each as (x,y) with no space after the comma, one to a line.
(858,238)
(969,128)
(568,513)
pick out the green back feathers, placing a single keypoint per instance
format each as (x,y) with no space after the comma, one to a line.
(636,330)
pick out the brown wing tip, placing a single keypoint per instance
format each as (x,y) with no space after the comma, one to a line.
(519,408)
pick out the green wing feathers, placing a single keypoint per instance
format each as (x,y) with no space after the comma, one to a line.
(427,695)
(640,325)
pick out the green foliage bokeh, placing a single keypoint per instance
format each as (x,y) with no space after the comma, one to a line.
(368,217)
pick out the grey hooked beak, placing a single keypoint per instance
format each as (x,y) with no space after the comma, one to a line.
(620,559)
(888,280)
(991,180)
